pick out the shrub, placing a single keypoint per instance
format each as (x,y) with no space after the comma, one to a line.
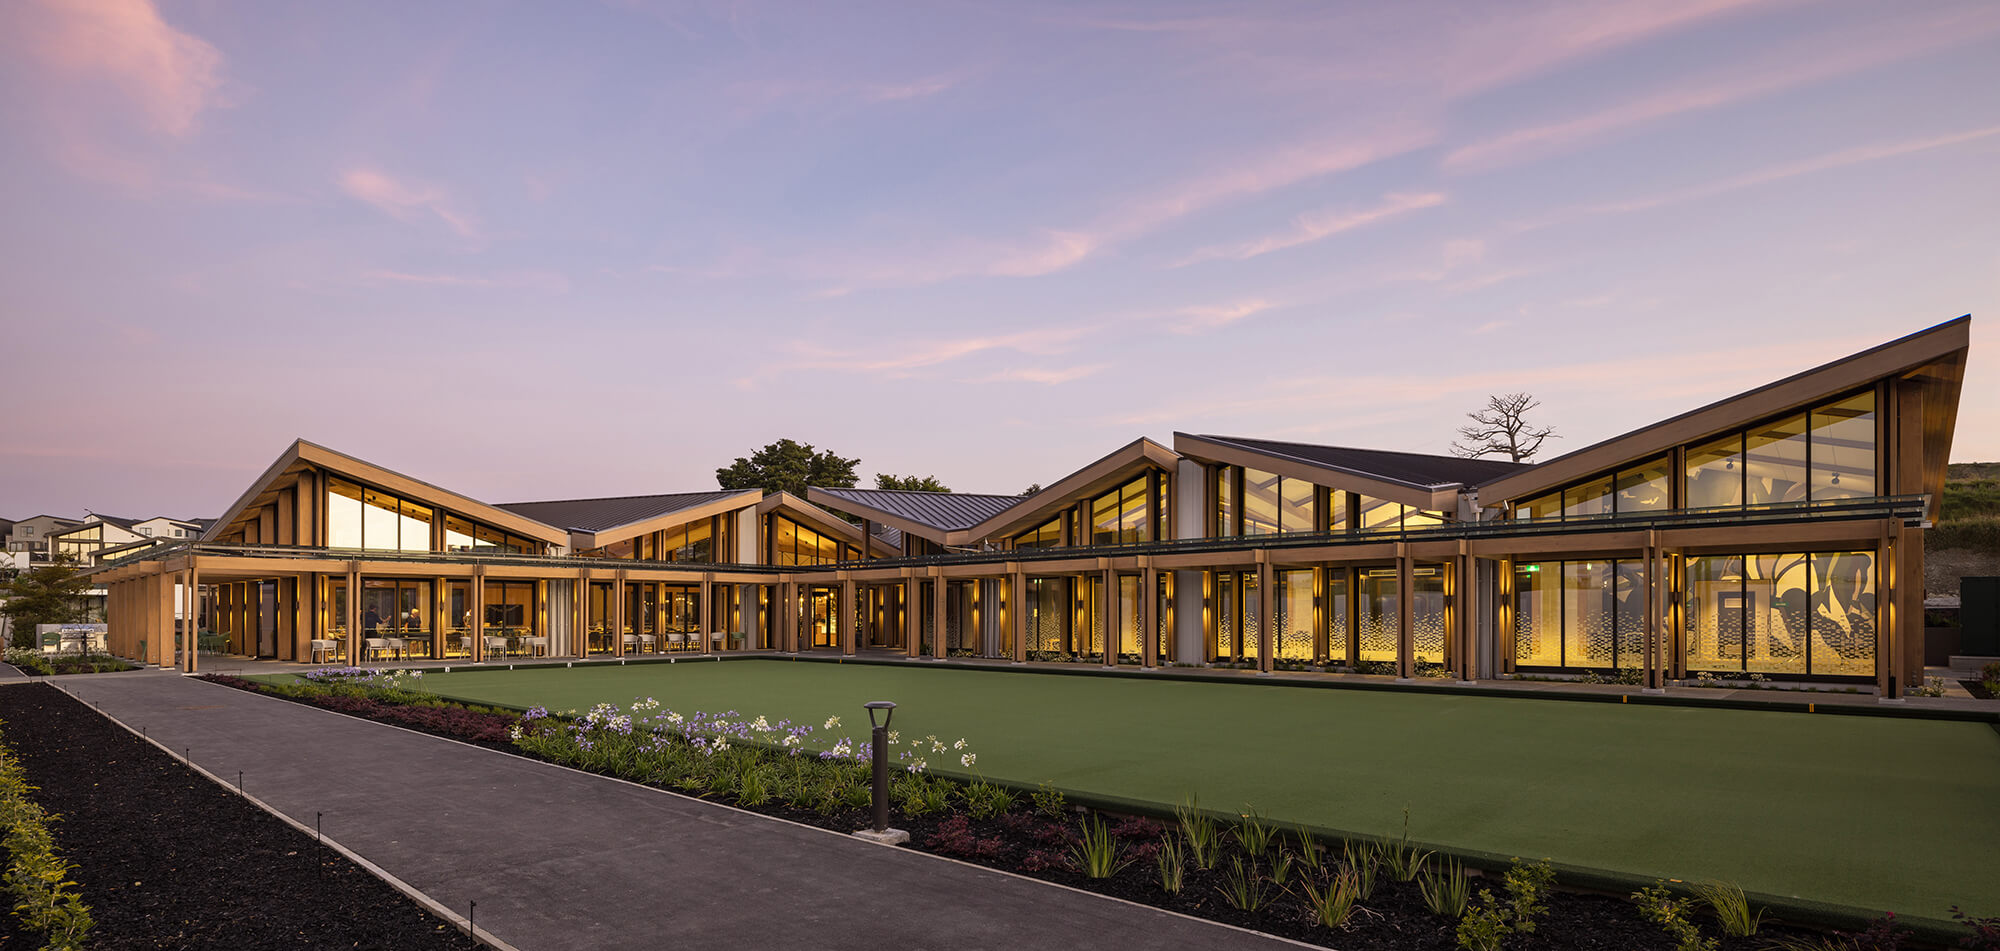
(1362,858)
(1050,801)
(1492,919)
(1334,901)
(1095,854)
(986,800)
(954,836)
(1204,839)
(1243,886)
(1253,833)
(1403,860)
(46,899)
(1659,906)
(1732,909)
(1446,888)
(1173,868)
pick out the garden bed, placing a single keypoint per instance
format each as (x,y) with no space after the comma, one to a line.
(37,664)
(1040,835)
(168,859)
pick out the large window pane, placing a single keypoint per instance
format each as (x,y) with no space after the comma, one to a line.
(1427,614)
(1260,503)
(1380,516)
(1336,515)
(1295,505)
(784,542)
(695,543)
(1590,498)
(1843,614)
(1643,488)
(1776,462)
(1714,614)
(1104,519)
(1225,501)
(343,514)
(1377,615)
(1538,614)
(1715,473)
(380,514)
(1547,506)
(1843,449)
(1295,614)
(1776,605)
(1337,627)
(414,526)
(1587,614)
(1630,596)
(1135,515)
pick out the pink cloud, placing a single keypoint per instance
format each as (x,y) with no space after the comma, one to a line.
(1191,320)
(1044,376)
(170,76)
(1317,226)
(404,201)
(1810,60)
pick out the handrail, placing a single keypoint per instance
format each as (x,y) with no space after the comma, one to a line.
(1909,508)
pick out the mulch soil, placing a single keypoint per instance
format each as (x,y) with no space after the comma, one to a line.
(1028,842)
(167,858)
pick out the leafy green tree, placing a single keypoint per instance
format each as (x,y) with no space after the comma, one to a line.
(49,594)
(884,480)
(787,466)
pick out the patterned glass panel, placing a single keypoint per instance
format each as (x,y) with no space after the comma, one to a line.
(1714,613)
(1377,619)
(1427,614)
(1538,614)
(1588,614)
(1223,606)
(1337,627)
(1776,602)
(1295,615)
(1252,602)
(1128,614)
(1843,614)
(1630,586)
(1047,606)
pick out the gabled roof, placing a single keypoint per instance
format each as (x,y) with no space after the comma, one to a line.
(1112,469)
(932,515)
(1434,480)
(301,455)
(1934,356)
(822,521)
(116,521)
(597,515)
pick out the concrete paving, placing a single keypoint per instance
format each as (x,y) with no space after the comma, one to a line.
(558,859)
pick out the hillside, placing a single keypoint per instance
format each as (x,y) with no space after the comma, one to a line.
(1966,539)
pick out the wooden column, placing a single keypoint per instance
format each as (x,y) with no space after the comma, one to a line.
(618,614)
(1017,610)
(850,627)
(1406,663)
(1888,621)
(354,614)
(711,608)
(1108,612)
(579,636)
(1465,613)
(1149,622)
(939,587)
(163,618)
(1654,679)
(913,613)
(477,633)
(1267,613)
(191,614)
(435,618)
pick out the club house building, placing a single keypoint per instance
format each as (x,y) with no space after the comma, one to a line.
(1777,532)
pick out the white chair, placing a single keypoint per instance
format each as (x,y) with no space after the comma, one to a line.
(322,651)
(677,640)
(715,639)
(372,646)
(496,645)
(643,642)
(536,646)
(399,646)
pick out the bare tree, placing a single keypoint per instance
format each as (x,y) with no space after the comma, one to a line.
(1502,429)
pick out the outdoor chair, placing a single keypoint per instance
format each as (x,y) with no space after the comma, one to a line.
(643,642)
(398,647)
(322,651)
(677,640)
(535,646)
(715,639)
(373,646)
(496,645)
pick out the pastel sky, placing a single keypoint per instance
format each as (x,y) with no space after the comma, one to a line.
(543,250)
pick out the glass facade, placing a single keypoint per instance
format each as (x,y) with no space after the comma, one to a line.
(791,543)
(1588,615)
(369,519)
(1252,502)
(1049,535)
(1123,516)
(1806,614)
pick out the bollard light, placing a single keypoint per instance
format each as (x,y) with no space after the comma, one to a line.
(879,742)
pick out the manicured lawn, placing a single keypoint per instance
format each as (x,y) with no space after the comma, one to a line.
(1875,813)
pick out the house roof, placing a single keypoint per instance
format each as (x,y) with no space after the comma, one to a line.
(1114,468)
(1414,469)
(930,515)
(1933,358)
(597,515)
